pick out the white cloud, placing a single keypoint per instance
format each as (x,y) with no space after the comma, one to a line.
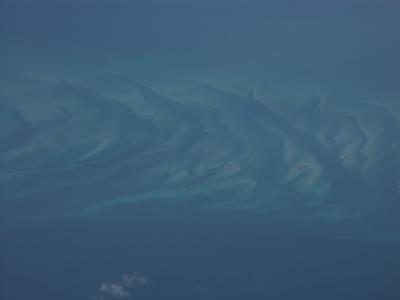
(135,280)
(122,288)
(116,290)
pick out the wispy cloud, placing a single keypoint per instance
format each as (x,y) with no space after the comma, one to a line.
(122,288)
(114,289)
(135,280)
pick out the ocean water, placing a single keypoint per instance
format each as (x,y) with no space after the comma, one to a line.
(199,150)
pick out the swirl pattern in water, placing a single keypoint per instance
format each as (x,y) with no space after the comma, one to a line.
(81,149)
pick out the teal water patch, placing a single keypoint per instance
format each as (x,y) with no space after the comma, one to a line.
(136,137)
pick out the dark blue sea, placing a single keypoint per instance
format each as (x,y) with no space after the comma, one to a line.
(194,254)
(179,150)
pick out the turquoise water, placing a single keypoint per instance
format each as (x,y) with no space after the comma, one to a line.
(186,150)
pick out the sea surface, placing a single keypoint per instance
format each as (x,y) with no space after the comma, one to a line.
(181,150)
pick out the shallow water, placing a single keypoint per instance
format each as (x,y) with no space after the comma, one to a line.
(178,150)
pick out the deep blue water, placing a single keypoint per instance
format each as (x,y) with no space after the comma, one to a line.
(192,149)
(183,250)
